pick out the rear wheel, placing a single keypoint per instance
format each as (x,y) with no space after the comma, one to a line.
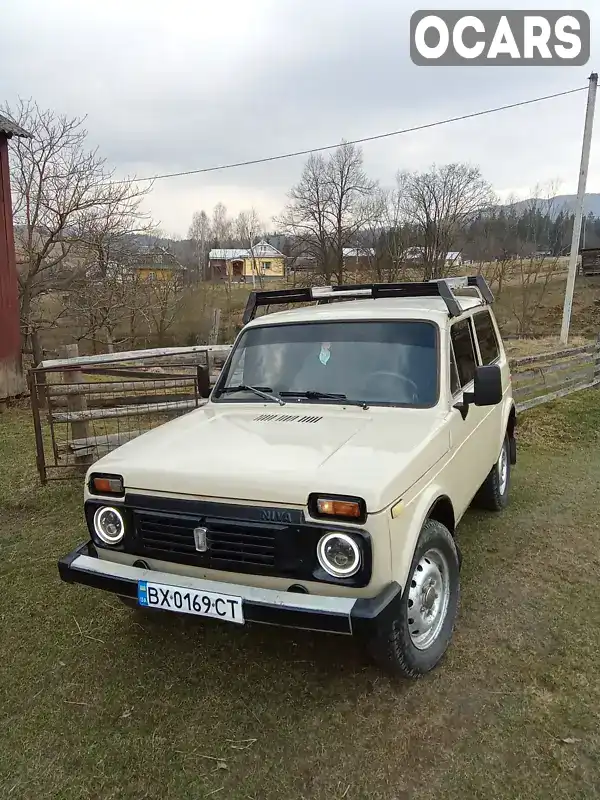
(415,641)
(493,494)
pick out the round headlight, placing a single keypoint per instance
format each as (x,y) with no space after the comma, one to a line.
(339,555)
(109,525)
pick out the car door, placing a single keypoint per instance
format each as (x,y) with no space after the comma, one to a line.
(469,461)
(489,353)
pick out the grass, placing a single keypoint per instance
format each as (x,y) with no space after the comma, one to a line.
(98,702)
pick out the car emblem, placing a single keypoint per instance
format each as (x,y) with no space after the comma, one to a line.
(200,539)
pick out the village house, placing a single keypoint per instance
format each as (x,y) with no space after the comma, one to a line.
(241,265)
(453,258)
(157,264)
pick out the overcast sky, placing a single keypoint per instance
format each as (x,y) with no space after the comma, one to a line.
(177,85)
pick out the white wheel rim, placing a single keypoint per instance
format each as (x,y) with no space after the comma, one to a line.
(503,470)
(428,599)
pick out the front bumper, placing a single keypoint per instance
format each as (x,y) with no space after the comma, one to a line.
(361,617)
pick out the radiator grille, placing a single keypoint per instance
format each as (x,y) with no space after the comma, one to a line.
(230,542)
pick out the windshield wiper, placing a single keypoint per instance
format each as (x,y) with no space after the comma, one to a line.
(260,391)
(312,394)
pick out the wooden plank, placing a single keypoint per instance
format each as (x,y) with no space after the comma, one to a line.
(117,401)
(92,390)
(547,398)
(570,363)
(527,391)
(145,374)
(133,355)
(108,441)
(126,411)
(555,378)
(553,356)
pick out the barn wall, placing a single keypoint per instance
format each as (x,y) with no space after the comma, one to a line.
(11,377)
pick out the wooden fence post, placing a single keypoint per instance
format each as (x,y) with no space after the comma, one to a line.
(213,336)
(597,360)
(75,402)
(39,385)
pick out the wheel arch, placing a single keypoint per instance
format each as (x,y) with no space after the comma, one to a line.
(511,425)
(511,422)
(442,511)
(406,528)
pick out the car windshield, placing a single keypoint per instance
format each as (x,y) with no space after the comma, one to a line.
(371,362)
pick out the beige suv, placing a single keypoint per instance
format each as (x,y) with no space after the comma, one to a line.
(321,485)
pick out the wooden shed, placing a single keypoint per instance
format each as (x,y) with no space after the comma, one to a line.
(12,382)
(590,260)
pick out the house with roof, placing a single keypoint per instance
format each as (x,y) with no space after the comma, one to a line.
(157,264)
(241,265)
(358,256)
(453,258)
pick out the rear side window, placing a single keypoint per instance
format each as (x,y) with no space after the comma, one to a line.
(486,335)
(464,351)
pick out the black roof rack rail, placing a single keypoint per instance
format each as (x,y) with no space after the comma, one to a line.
(446,288)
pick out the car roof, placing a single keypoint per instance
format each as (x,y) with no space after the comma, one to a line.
(420,308)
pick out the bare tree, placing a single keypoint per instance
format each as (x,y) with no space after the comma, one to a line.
(222,226)
(249,230)
(385,236)
(104,308)
(162,301)
(61,190)
(348,187)
(305,217)
(200,234)
(327,207)
(440,203)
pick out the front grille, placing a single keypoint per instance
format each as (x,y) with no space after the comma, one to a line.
(230,542)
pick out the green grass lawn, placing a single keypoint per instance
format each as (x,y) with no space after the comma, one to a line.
(97,701)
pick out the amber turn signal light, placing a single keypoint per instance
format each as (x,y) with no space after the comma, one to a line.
(106,484)
(338,508)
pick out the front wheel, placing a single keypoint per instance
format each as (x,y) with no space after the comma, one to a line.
(493,494)
(415,641)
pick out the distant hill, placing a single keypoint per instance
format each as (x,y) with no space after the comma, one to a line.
(562,202)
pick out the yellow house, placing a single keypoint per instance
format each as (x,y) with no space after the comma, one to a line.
(157,264)
(239,265)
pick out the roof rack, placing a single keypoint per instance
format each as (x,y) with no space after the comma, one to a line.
(447,288)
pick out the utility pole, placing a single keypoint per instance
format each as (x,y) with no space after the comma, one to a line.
(577,223)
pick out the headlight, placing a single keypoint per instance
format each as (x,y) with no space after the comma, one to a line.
(339,555)
(109,525)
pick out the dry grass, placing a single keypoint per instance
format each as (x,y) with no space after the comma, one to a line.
(517,348)
(98,702)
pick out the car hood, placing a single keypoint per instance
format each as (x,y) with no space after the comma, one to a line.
(280,455)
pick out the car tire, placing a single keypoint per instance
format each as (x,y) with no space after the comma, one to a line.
(493,494)
(414,641)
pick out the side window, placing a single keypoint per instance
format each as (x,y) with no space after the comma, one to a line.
(486,335)
(464,351)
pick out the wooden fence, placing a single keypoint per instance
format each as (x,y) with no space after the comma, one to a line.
(84,407)
(549,376)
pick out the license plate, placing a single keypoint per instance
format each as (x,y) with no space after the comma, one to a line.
(190,601)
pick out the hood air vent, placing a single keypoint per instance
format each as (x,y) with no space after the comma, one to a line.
(285,418)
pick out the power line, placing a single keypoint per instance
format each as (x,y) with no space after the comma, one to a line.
(358,141)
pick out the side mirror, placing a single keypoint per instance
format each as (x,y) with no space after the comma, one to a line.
(203,381)
(488,387)
(487,390)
